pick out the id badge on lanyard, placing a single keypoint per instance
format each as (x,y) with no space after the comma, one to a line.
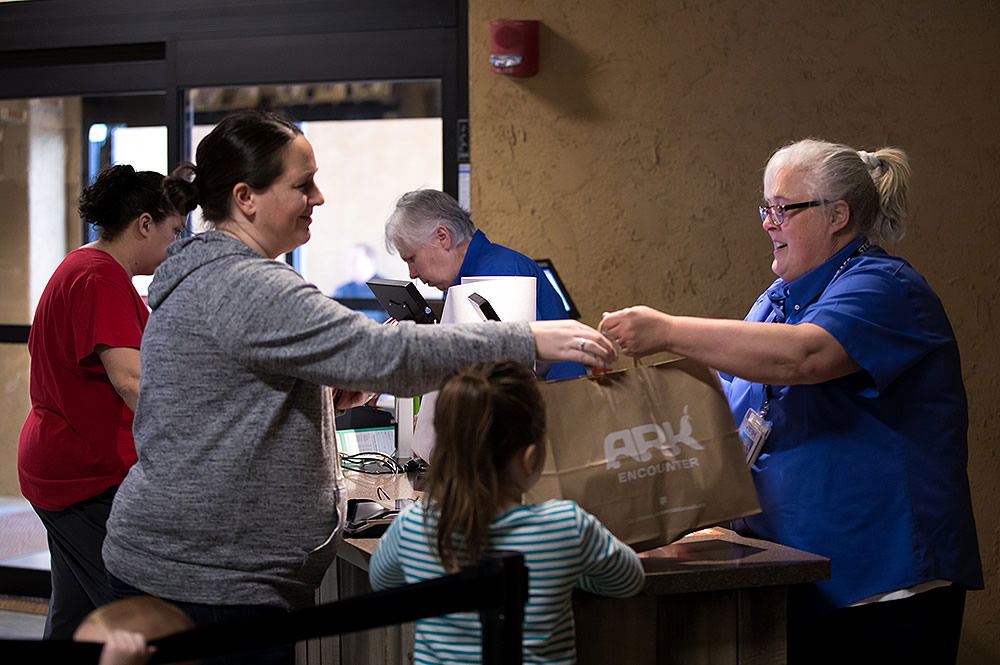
(753,433)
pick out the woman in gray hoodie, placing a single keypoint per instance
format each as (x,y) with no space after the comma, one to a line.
(231,509)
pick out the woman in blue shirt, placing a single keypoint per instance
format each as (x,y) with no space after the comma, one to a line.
(847,372)
(437,240)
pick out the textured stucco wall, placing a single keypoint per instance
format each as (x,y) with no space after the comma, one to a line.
(634,160)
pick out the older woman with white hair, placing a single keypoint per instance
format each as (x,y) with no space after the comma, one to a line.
(846,376)
(437,240)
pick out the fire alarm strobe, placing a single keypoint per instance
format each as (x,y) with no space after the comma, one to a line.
(514,47)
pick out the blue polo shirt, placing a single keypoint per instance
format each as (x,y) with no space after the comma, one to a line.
(869,469)
(484,258)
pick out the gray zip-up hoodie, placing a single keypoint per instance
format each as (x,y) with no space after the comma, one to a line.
(233,499)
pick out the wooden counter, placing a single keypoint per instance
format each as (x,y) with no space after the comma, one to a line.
(712,597)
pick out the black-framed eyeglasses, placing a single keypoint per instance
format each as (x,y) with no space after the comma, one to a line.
(777,212)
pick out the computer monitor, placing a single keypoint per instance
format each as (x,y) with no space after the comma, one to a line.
(550,273)
(401,300)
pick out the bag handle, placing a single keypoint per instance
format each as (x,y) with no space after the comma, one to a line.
(636,360)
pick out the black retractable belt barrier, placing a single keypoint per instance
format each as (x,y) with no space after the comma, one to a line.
(497,587)
(14,334)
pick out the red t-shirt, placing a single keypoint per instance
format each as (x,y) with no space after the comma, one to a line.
(77,440)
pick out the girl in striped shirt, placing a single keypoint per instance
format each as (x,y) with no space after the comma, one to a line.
(490,426)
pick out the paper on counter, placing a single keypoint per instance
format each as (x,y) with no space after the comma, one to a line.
(423,431)
(513,298)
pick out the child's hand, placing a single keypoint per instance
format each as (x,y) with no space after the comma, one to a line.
(125,648)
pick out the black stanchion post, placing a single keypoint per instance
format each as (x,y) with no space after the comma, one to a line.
(503,625)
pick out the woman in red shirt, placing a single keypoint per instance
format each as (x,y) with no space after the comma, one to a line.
(76,445)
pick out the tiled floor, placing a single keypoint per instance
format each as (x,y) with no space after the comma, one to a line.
(22,547)
(21,626)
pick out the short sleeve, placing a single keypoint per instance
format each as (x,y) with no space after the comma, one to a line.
(105,310)
(884,319)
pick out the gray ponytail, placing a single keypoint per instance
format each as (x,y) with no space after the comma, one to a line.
(891,175)
(873,184)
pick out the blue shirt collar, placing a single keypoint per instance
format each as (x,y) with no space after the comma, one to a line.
(808,287)
(479,244)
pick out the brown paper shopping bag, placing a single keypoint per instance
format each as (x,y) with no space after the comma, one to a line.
(652,451)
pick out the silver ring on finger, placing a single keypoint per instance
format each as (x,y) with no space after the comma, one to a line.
(580,344)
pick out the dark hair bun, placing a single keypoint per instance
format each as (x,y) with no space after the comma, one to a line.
(118,195)
(100,203)
(181,188)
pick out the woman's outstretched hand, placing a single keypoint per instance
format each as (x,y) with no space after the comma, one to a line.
(638,331)
(567,340)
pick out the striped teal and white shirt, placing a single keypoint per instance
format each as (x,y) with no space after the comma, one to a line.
(564,548)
